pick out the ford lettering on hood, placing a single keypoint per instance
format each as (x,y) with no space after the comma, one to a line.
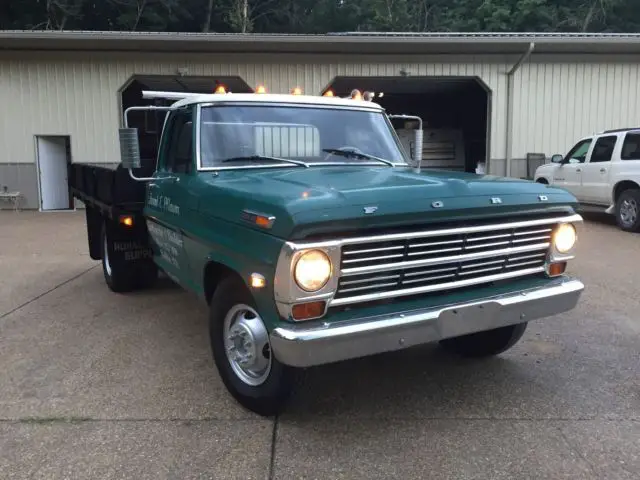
(328,198)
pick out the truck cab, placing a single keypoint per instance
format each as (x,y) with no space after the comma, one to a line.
(314,238)
(603,172)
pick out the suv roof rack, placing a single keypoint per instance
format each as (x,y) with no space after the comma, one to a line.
(621,130)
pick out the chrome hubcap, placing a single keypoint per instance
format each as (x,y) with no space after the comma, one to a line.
(246,343)
(629,211)
(107,264)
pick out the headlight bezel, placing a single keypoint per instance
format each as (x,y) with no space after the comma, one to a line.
(555,253)
(286,288)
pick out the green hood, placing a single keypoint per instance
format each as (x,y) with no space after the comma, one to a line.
(324,199)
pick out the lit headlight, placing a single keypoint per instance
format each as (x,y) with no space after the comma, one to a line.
(564,238)
(312,270)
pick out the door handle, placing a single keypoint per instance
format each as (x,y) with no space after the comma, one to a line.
(578,170)
(602,170)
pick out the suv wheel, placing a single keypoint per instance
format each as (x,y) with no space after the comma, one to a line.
(242,352)
(487,343)
(628,210)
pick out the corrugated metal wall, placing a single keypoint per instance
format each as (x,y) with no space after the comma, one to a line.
(78,96)
(558,100)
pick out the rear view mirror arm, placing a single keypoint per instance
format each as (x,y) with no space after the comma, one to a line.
(129,147)
(419,135)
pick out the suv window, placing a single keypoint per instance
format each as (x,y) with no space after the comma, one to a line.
(578,153)
(603,149)
(178,149)
(631,147)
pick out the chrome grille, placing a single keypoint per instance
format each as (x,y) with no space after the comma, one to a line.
(388,266)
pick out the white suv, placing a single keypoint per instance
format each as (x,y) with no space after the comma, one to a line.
(602,171)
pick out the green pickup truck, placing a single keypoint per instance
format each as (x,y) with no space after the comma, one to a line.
(314,237)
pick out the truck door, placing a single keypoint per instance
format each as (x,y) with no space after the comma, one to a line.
(568,174)
(167,204)
(595,172)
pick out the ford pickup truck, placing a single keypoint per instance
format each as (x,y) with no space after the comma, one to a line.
(313,237)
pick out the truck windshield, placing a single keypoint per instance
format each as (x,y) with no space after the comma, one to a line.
(250,134)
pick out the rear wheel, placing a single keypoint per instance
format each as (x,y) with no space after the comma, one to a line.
(242,352)
(487,343)
(121,276)
(628,210)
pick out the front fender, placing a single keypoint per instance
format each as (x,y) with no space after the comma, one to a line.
(242,250)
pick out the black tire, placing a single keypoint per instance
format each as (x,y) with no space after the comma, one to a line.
(628,210)
(542,181)
(267,398)
(487,343)
(119,277)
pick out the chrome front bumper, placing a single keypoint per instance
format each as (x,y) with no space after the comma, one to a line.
(302,345)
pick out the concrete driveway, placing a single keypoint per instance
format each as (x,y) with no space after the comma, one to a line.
(99,385)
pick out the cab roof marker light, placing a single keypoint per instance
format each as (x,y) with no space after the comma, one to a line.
(261,89)
(220,89)
(328,93)
(296,91)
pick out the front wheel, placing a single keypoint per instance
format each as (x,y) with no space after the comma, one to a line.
(487,343)
(242,352)
(628,210)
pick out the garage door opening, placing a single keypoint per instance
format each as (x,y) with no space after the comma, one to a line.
(149,123)
(455,112)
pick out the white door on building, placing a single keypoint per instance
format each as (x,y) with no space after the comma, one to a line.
(53,160)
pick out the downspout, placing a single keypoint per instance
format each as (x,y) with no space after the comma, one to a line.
(509,119)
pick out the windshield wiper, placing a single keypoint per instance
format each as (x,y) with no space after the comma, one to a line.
(264,157)
(355,154)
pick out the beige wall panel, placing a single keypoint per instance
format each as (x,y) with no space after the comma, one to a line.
(560,100)
(70,94)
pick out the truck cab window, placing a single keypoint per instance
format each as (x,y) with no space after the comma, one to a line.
(631,147)
(603,149)
(178,154)
(578,153)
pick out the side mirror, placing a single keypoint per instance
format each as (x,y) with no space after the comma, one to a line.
(417,146)
(129,148)
(557,158)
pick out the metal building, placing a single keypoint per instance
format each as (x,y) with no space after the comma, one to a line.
(493,99)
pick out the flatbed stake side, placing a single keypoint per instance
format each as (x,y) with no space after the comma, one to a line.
(314,238)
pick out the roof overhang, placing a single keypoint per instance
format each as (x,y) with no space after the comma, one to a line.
(331,43)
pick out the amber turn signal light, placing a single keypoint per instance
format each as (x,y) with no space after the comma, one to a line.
(305,311)
(126,220)
(556,269)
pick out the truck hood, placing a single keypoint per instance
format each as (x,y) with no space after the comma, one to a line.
(324,199)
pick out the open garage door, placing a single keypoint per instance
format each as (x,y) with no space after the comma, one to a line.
(455,112)
(149,123)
